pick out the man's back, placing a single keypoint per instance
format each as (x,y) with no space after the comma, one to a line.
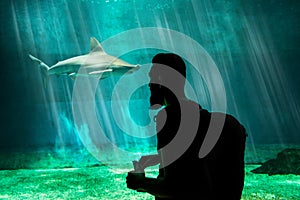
(220,174)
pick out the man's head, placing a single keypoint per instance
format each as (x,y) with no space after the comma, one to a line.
(167,76)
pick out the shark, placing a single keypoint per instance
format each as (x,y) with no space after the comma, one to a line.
(97,63)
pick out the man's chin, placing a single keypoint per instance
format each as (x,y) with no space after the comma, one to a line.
(155,106)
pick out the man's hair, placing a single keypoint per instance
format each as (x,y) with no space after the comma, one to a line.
(172,60)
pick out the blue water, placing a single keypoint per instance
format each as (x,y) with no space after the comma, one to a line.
(254,46)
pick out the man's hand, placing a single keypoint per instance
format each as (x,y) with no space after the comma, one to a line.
(149,160)
(134,181)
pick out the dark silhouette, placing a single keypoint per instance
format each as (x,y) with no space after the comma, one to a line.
(182,174)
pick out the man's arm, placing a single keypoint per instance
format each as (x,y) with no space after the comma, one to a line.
(154,186)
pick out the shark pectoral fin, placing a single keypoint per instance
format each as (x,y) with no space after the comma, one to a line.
(72,76)
(100,72)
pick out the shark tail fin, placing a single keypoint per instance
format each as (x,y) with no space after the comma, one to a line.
(43,67)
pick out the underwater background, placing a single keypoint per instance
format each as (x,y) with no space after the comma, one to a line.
(253,44)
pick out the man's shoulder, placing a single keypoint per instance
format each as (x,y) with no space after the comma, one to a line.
(226,118)
(224,115)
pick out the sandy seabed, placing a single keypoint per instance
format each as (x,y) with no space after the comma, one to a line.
(104,183)
(94,181)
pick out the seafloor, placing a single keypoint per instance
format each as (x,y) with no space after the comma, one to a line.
(73,174)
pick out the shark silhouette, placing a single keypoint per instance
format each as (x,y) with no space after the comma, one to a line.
(96,63)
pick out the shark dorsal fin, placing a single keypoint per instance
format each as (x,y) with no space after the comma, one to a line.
(95,45)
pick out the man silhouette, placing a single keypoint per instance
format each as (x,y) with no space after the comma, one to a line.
(181,128)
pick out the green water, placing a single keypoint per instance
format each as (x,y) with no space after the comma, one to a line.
(242,58)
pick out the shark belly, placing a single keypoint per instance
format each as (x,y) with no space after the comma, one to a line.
(64,69)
